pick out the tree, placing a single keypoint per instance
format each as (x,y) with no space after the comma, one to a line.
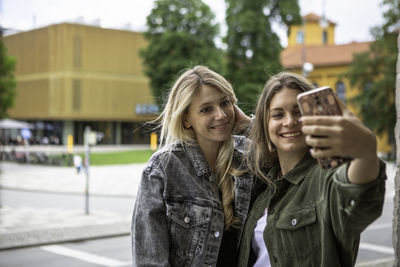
(374,74)
(253,48)
(181,34)
(7,80)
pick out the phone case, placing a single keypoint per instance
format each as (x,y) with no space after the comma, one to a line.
(321,101)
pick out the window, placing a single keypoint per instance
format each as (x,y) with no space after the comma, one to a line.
(76,95)
(324,37)
(300,37)
(341,91)
(77,52)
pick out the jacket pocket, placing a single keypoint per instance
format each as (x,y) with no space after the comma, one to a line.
(189,225)
(298,230)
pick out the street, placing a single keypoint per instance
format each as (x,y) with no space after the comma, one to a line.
(113,190)
(101,252)
(113,251)
(376,241)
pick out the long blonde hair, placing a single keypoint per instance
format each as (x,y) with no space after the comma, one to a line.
(172,128)
(262,153)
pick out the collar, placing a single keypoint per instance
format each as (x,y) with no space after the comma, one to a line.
(298,173)
(197,158)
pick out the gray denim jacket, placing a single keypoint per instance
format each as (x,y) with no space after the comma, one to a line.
(178,218)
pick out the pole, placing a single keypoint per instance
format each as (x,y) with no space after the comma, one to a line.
(87,164)
(153,141)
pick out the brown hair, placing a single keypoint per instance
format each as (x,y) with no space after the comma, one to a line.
(261,150)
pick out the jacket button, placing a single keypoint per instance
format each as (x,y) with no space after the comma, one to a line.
(294,222)
(216,234)
(275,259)
(186,220)
(352,203)
(210,178)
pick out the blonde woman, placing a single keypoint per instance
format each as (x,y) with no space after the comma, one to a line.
(193,198)
(308,216)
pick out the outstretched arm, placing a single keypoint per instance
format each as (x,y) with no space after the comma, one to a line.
(344,136)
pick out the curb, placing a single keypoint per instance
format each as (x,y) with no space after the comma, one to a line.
(24,227)
(65,234)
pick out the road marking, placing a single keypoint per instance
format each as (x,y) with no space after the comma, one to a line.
(380,262)
(379,226)
(84,256)
(376,248)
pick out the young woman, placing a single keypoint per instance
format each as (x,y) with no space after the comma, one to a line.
(308,216)
(194,197)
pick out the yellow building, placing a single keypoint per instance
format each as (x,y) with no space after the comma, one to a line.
(70,76)
(314,42)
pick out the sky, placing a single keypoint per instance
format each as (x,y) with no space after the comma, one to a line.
(353,18)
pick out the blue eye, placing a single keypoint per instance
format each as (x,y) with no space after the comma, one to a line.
(225,103)
(205,110)
(277,115)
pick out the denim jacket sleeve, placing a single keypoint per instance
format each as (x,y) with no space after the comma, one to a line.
(150,242)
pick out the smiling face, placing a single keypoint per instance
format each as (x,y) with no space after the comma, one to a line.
(211,116)
(284,128)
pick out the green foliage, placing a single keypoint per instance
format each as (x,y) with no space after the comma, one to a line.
(180,35)
(7,81)
(253,48)
(374,73)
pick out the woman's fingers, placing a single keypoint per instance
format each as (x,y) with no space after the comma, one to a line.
(242,121)
(341,136)
(320,120)
(324,153)
(321,141)
(321,130)
(327,147)
(239,113)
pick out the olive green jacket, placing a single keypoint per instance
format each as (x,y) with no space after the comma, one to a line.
(315,218)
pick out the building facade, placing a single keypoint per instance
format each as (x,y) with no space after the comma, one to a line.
(312,51)
(70,76)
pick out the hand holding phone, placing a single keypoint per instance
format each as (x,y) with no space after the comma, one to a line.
(321,102)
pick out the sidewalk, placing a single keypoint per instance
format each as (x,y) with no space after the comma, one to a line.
(25,226)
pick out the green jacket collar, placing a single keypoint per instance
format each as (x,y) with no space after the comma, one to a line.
(303,166)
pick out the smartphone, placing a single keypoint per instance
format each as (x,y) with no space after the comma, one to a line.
(317,102)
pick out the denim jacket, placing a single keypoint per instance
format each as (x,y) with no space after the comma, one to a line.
(178,218)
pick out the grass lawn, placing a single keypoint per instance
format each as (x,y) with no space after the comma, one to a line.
(120,157)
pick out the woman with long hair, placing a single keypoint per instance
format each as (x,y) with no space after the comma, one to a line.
(194,193)
(307,215)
